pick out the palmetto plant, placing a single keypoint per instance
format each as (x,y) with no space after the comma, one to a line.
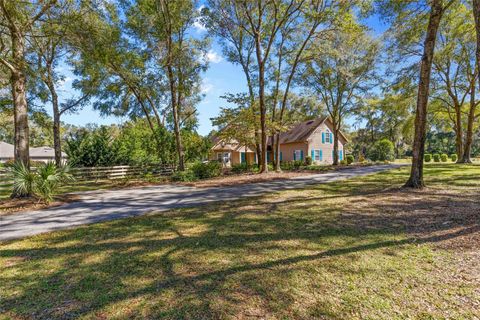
(23,179)
(43,182)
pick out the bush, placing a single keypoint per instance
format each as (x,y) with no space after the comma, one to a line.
(343,162)
(207,170)
(382,150)
(240,168)
(350,159)
(454,157)
(184,176)
(436,157)
(44,182)
(444,157)
(427,157)
(291,165)
(361,158)
(308,160)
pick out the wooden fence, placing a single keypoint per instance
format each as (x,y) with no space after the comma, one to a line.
(100,173)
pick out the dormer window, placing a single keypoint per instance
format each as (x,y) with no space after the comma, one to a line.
(327,137)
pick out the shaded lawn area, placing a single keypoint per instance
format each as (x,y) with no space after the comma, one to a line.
(356,249)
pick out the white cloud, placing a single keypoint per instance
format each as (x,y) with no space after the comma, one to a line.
(206,86)
(213,57)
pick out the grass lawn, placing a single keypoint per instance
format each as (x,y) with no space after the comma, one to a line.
(356,249)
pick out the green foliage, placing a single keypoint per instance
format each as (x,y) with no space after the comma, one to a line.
(43,182)
(454,157)
(436,157)
(291,165)
(444,157)
(206,170)
(23,179)
(427,157)
(243,167)
(343,162)
(350,159)
(382,150)
(184,176)
(308,160)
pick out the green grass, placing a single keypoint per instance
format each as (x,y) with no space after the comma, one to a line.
(345,250)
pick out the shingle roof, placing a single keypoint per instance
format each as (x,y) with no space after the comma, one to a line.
(44,152)
(6,150)
(301,131)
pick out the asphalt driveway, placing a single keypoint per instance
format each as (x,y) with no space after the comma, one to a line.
(116,204)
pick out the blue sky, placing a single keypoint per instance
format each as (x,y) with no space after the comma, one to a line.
(222,77)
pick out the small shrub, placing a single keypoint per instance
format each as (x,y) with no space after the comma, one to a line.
(343,162)
(297,164)
(207,170)
(444,157)
(240,168)
(361,158)
(184,176)
(382,150)
(454,157)
(350,159)
(436,157)
(308,160)
(427,157)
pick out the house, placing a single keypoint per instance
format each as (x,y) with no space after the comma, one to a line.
(231,152)
(312,138)
(40,154)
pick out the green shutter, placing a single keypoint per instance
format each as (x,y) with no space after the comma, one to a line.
(323,137)
(281,156)
(331,137)
(321,155)
(301,154)
(294,157)
(313,155)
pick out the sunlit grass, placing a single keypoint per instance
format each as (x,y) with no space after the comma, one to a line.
(329,251)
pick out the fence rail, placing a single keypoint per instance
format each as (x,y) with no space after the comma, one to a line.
(101,173)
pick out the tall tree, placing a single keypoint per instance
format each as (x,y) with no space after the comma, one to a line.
(224,21)
(454,76)
(17,21)
(48,53)
(164,27)
(341,70)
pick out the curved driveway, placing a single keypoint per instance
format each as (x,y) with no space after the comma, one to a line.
(105,205)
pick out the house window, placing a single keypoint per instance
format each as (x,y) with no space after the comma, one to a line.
(327,137)
(317,155)
(298,155)
(223,157)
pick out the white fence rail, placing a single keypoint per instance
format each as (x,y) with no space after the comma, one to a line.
(101,173)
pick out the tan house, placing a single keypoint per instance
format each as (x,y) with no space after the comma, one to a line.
(312,138)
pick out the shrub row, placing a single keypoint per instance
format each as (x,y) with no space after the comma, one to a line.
(439,157)
(199,170)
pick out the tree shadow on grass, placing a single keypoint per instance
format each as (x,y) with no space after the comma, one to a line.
(216,261)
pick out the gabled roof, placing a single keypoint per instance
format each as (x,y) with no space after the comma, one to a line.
(6,150)
(302,131)
(44,152)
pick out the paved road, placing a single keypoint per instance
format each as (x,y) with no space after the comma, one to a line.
(115,204)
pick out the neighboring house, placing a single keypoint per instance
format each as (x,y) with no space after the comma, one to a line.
(312,138)
(41,154)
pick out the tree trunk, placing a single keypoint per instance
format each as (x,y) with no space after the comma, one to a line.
(458,133)
(18,82)
(467,150)
(416,173)
(476,14)
(176,121)
(335,143)
(263,113)
(57,144)
(278,168)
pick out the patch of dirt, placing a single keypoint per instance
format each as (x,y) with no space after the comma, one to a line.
(450,219)
(10,206)
(231,180)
